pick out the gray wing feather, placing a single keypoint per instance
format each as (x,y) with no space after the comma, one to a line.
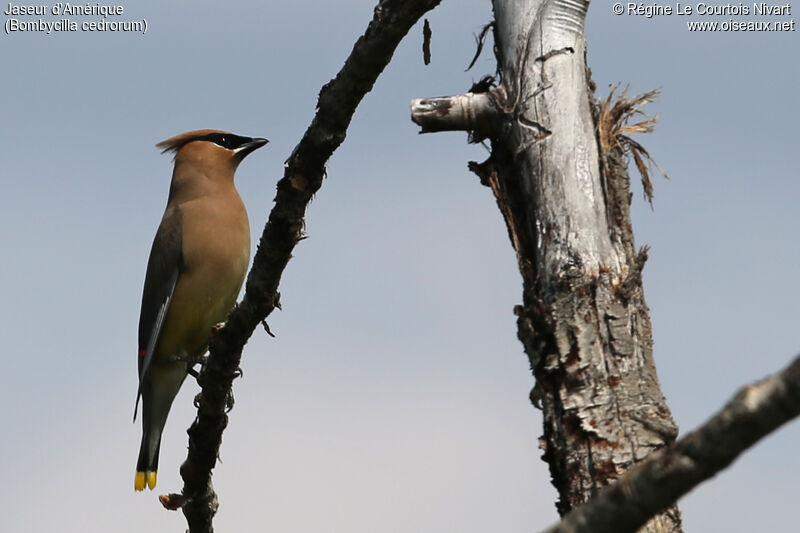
(163,269)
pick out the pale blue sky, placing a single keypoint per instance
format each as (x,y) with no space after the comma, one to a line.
(395,395)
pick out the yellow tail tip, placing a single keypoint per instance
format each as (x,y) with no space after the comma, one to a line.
(143,479)
(138,482)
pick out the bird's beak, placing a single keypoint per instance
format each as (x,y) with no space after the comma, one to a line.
(248,147)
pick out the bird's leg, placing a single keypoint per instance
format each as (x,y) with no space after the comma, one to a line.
(191,361)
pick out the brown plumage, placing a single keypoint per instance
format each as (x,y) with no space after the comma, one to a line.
(197,265)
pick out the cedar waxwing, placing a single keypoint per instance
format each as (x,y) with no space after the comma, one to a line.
(197,265)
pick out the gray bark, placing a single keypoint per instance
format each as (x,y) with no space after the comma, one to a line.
(471,111)
(583,323)
(654,484)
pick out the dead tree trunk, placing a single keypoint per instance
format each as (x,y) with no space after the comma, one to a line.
(583,323)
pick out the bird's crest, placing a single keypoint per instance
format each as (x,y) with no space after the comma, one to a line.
(173,144)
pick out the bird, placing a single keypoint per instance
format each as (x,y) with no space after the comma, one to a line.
(196,267)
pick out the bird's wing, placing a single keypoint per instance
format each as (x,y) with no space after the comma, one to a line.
(163,268)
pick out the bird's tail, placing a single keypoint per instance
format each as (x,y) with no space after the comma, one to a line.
(147,465)
(158,391)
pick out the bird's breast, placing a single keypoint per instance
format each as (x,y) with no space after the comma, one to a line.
(215,253)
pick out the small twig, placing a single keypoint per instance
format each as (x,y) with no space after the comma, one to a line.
(172,502)
(266,328)
(479,40)
(426,42)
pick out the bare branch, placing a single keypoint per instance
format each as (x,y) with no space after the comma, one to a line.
(303,175)
(463,112)
(658,482)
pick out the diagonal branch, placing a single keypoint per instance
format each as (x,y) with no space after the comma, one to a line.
(658,482)
(303,174)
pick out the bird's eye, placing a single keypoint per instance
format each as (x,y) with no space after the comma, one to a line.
(224,140)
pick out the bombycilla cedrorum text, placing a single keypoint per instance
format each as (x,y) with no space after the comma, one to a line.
(197,265)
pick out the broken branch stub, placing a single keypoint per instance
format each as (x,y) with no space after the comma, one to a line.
(477,112)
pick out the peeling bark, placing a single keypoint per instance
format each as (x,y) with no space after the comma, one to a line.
(666,475)
(583,322)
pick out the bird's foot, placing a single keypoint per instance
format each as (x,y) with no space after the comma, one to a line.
(191,360)
(199,360)
(229,401)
